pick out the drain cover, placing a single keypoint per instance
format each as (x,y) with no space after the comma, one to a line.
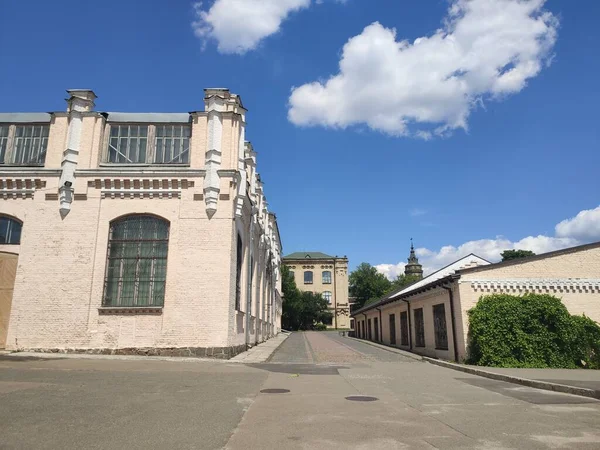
(361,398)
(275,391)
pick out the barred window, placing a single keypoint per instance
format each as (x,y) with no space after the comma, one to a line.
(3,142)
(419,328)
(172,144)
(326,277)
(308,277)
(327,296)
(137,262)
(128,143)
(439,323)
(238,273)
(403,328)
(24,145)
(10,231)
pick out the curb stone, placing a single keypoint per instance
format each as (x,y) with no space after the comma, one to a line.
(546,385)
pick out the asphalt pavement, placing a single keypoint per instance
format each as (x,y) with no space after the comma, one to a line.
(318,390)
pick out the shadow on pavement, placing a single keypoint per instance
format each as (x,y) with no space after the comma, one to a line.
(301,369)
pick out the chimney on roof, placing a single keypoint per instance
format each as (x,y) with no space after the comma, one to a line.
(81,100)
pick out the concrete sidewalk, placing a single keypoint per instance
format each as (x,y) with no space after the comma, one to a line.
(261,352)
(569,381)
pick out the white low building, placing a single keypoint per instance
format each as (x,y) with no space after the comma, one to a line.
(430,317)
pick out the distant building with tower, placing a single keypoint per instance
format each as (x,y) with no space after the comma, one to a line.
(413,268)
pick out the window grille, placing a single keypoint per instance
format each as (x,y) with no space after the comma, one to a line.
(137,262)
(376,325)
(404,328)
(419,328)
(308,277)
(439,323)
(172,144)
(392,329)
(10,231)
(3,142)
(128,143)
(327,296)
(238,273)
(326,277)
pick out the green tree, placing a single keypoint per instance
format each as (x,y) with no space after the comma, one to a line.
(301,310)
(367,284)
(507,255)
(403,281)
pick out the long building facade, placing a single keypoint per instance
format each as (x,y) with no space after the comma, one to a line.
(135,233)
(326,275)
(430,316)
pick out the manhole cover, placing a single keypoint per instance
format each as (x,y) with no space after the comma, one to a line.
(275,391)
(361,398)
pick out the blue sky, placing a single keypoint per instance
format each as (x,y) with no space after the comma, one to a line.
(380,154)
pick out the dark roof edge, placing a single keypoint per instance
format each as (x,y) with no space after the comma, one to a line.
(386,300)
(514,262)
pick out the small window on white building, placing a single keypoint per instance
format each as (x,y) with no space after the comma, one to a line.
(327,296)
(149,143)
(128,143)
(172,144)
(10,231)
(326,277)
(28,146)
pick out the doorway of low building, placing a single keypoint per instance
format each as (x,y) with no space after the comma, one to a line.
(8,271)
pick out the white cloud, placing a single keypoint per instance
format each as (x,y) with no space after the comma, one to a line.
(581,229)
(584,226)
(240,25)
(391,271)
(416,212)
(485,50)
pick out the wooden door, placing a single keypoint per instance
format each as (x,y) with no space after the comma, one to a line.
(8,270)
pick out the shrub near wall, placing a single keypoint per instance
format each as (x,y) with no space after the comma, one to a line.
(531,331)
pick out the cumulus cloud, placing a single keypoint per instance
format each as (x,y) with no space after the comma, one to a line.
(584,226)
(486,49)
(581,229)
(239,26)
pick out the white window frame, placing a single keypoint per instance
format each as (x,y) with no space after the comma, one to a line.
(329,297)
(151,146)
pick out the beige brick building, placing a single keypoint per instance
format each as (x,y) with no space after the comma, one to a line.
(430,316)
(135,232)
(325,275)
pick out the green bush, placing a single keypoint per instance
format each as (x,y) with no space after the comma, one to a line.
(531,331)
(320,327)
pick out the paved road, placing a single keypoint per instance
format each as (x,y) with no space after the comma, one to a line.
(114,404)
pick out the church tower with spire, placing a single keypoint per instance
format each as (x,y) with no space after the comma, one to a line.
(413,267)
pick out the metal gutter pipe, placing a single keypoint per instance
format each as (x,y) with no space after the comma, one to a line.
(453,320)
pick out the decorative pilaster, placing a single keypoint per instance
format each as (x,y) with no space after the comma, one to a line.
(212,187)
(242,179)
(79,101)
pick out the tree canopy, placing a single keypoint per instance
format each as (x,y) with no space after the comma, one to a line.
(301,310)
(367,284)
(507,255)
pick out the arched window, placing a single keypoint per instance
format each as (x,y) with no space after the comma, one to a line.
(136,271)
(327,296)
(308,277)
(326,277)
(238,272)
(10,231)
